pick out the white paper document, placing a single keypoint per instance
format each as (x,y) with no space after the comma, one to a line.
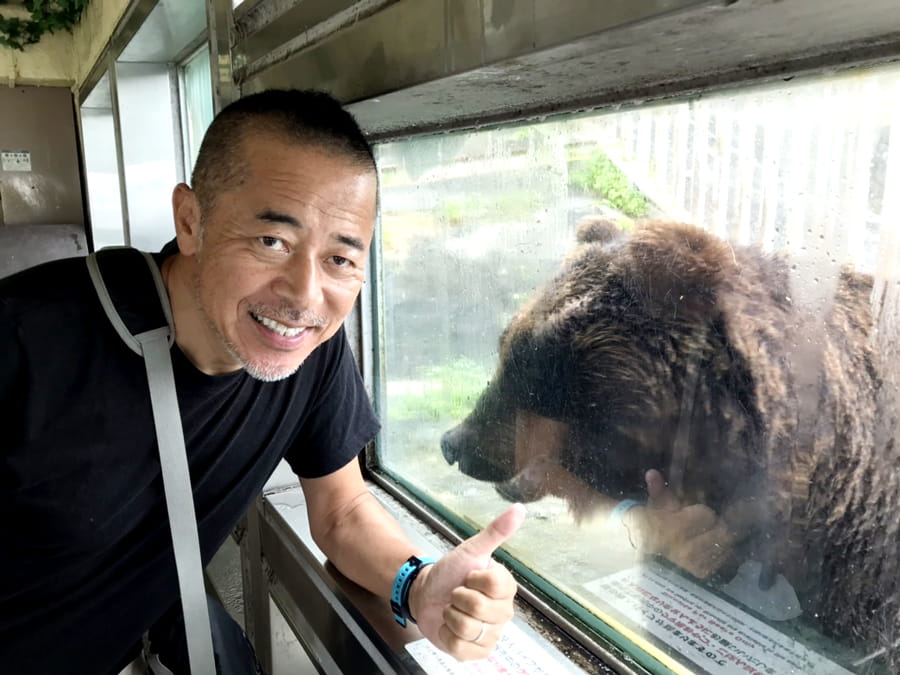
(515,654)
(717,637)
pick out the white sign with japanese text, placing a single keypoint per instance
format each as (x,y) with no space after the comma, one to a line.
(15,160)
(713,634)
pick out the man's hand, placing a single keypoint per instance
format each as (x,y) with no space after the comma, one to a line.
(693,537)
(462,602)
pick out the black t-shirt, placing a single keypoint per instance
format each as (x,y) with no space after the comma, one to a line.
(86,562)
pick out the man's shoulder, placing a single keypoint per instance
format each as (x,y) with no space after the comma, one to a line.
(66,283)
(57,282)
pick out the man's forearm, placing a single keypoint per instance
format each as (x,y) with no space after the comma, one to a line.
(366,544)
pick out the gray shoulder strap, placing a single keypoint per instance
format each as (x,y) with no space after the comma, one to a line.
(154,346)
(109,307)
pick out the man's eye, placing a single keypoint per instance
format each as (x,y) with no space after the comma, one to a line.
(341,261)
(273,243)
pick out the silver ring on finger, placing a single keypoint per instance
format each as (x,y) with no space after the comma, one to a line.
(481,634)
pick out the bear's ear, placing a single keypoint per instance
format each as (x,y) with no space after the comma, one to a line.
(676,270)
(596,229)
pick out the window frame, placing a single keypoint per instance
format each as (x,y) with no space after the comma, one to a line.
(587,629)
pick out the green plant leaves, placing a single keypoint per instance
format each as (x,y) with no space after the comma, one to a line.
(46,16)
(604,178)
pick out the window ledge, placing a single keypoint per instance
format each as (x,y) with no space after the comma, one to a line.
(344,627)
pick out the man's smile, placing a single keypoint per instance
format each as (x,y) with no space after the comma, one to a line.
(278,327)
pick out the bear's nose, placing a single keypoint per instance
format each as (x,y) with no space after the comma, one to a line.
(450,445)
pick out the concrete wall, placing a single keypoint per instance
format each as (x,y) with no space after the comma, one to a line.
(92,34)
(46,63)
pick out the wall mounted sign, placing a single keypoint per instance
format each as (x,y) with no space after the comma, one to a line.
(15,160)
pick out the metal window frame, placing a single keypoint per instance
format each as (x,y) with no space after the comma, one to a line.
(220,26)
(372,349)
(180,66)
(374,342)
(131,22)
(120,153)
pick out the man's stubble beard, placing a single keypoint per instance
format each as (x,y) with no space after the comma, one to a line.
(258,370)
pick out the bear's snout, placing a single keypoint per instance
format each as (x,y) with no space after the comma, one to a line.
(465,444)
(450,444)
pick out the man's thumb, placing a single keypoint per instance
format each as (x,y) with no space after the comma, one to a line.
(502,528)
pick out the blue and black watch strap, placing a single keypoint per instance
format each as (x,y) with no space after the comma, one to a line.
(402,583)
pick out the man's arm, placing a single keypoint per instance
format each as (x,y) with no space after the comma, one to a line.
(451,600)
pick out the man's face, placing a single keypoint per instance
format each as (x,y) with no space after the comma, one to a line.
(279,260)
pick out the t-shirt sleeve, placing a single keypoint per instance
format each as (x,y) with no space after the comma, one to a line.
(341,420)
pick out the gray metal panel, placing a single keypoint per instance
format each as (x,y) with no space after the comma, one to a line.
(465,35)
(166,32)
(542,56)
(272,24)
(40,121)
(221,26)
(360,13)
(556,23)
(410,41)
(23,246)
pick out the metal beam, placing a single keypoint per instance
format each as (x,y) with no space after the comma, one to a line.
(256,588)
(220,20)
(120,153)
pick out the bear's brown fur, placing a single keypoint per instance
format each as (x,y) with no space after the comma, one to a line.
(669,349)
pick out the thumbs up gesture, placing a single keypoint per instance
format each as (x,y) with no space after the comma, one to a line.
(462,602)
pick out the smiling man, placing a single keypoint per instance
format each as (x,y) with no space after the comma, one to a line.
(275,263)
(271,245)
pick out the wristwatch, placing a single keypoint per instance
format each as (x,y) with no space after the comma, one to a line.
(402,583)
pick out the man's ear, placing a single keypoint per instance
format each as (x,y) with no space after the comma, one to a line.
(186,214)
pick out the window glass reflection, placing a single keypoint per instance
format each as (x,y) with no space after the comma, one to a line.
(701,416)
(197,104)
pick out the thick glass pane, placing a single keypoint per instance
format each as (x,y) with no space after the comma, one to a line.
(99,137)
(198,104)
(702,417)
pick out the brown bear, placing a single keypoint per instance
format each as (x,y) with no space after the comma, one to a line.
(666,354)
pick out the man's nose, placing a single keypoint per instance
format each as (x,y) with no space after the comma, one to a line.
(301,282)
